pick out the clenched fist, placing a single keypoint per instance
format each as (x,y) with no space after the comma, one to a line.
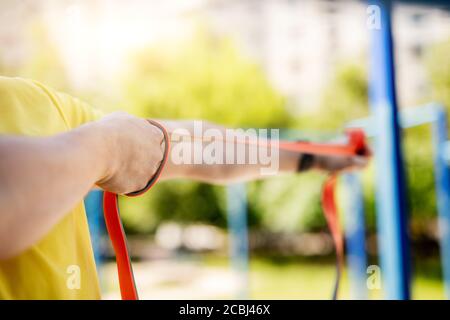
(135,150)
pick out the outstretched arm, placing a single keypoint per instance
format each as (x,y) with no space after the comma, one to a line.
(287,161)
(41,179)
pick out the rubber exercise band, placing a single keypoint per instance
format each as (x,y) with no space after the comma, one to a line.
(356,145)
(115,230)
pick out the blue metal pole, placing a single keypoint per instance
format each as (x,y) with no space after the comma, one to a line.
(238,236)
(390,186)
(355,236)
(442,180)
(93,204)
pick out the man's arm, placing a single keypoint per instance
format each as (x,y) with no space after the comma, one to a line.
(288,162)
(41,179)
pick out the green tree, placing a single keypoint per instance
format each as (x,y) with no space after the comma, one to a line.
(438,67)
(205,78)
(44,63)
(202,78)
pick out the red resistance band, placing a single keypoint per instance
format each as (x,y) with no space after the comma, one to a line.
(356,145)
(116,233)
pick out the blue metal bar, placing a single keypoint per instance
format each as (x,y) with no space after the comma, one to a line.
(355,235)
(435,115)
(410,117)
(442,180)
(93,204)
(238,236)
(390,186)
(446,152)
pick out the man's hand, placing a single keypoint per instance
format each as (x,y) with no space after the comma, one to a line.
(339,163)
(119,152)
(135,151)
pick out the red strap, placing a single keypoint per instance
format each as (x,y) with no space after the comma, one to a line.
(115,229)
(119,243)
(332,217)
(355,146)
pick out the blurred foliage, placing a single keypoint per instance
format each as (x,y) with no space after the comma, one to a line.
(43,61)
(180,201)
(438,65)
(203,78)
(206,77)
(190,81)
(290,203)
(343,99)
(417,141)
(45,65)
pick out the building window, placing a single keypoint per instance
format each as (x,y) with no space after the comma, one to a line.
(418,18)
(417,50)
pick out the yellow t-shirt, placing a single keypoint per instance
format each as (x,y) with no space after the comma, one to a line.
(47,269)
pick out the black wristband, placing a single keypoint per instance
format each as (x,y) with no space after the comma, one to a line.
(305,162)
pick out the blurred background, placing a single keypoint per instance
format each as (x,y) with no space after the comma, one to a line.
(292,64)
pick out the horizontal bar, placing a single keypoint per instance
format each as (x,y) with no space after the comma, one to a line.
(410,117)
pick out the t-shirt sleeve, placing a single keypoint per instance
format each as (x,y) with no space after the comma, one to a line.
(74,111)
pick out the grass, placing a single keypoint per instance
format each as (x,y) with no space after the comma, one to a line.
(276,278)
(211,277)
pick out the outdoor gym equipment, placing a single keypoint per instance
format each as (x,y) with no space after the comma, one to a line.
(435,115)
(391,195)
(390,184)
(115,229)
(356,145)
